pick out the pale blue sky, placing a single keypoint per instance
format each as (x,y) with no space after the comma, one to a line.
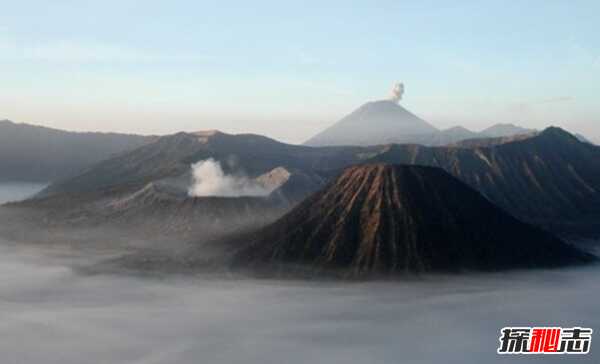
(289,69)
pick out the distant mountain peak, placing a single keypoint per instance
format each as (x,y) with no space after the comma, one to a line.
(458,128)
(555,130)
(557,133)
(376,122)
(504,130)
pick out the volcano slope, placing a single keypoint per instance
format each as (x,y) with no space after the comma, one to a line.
(550,179)
(390,218)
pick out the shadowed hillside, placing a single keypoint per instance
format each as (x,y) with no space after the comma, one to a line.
(171,156)
(385,218)
(550,178)
(35,153)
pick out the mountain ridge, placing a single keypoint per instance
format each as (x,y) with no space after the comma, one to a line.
(391,219)
(550,178)
(37,153)
(384,122)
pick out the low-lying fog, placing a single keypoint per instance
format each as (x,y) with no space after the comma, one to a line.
(50,313)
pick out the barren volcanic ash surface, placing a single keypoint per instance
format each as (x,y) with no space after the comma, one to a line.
(391,218)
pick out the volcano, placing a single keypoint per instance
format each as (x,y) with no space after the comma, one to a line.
(549,179)
(377,122)
(385,218)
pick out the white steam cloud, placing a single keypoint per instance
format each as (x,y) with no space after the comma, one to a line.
(397,92)
(208,179)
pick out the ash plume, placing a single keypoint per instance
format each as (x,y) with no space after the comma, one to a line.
(397,92)
(209,179)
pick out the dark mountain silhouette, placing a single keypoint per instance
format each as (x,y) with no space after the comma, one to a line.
(551,178)
(172,155)
(390,218)
(489,142)
(377,122)
(35,153)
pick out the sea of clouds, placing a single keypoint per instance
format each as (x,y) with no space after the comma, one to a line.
(49,313)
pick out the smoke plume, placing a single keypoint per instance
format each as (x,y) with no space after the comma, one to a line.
(208,179)
(397,92)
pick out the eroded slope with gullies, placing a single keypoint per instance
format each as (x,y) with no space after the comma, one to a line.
(171,156)
(389,218)
(551,179)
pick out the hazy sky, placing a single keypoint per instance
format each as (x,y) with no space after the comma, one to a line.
(289,69)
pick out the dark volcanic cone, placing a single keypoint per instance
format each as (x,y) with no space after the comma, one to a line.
(390,218)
